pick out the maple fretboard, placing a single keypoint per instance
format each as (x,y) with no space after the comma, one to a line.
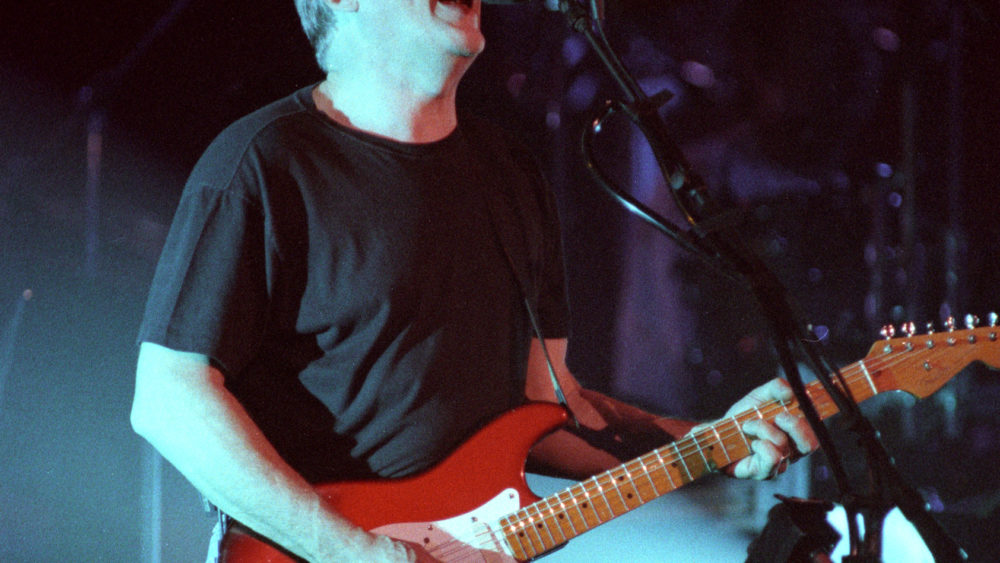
(916,364)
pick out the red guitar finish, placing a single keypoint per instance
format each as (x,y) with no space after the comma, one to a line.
(476,505)
(485,466)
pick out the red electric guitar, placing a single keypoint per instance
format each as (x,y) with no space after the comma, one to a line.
(476,505)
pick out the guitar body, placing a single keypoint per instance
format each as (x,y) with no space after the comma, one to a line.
(478,483)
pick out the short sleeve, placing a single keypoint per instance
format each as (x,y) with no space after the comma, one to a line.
(209,293)
(553,301)
(547,288)
(549,275)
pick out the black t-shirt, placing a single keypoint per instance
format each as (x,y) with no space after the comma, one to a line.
(354,291)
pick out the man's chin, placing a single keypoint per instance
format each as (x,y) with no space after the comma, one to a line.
(473,46)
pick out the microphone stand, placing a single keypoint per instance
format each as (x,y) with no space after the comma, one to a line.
(713,236)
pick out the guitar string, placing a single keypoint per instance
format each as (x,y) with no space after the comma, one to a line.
(822,402)
(853,374)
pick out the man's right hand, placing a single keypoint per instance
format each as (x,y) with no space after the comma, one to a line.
(183,408)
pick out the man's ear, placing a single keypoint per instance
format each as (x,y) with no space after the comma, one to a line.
(343,5)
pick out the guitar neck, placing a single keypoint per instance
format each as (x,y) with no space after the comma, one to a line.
(556,519)
(917,364)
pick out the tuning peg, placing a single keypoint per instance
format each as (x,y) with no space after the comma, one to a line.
(971,321)
(888,331)
(949,324)
(993,318)
(930,328)
(909,329)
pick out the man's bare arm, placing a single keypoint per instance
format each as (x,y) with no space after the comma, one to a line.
(611,429)
(183,409)
(623,431)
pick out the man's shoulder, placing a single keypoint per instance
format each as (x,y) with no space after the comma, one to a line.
(254,140)
(264,124)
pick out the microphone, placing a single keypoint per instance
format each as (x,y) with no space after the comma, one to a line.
(550,5)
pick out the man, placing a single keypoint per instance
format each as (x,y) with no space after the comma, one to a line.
(337,297)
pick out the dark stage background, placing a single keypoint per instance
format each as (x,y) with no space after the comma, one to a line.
(860,137)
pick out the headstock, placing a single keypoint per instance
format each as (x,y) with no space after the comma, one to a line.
(921,363)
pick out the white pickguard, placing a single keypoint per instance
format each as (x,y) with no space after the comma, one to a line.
(473,536)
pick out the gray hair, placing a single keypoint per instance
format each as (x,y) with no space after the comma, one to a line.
(318,20)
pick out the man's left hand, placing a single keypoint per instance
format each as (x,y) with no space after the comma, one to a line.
(774,444)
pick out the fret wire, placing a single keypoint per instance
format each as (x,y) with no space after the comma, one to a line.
(522,527)
(592,508)
(739,430)
(694,437)
(529,529)
(565,517)
(604,497)
(554,516)
(645,470)
(590,500)
(518,535)
(614,484)
(633,484)
(540,524)
(666,469)
(722,443)
(562,503)
(682,461)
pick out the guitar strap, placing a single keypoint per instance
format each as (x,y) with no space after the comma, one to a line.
(511,238)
